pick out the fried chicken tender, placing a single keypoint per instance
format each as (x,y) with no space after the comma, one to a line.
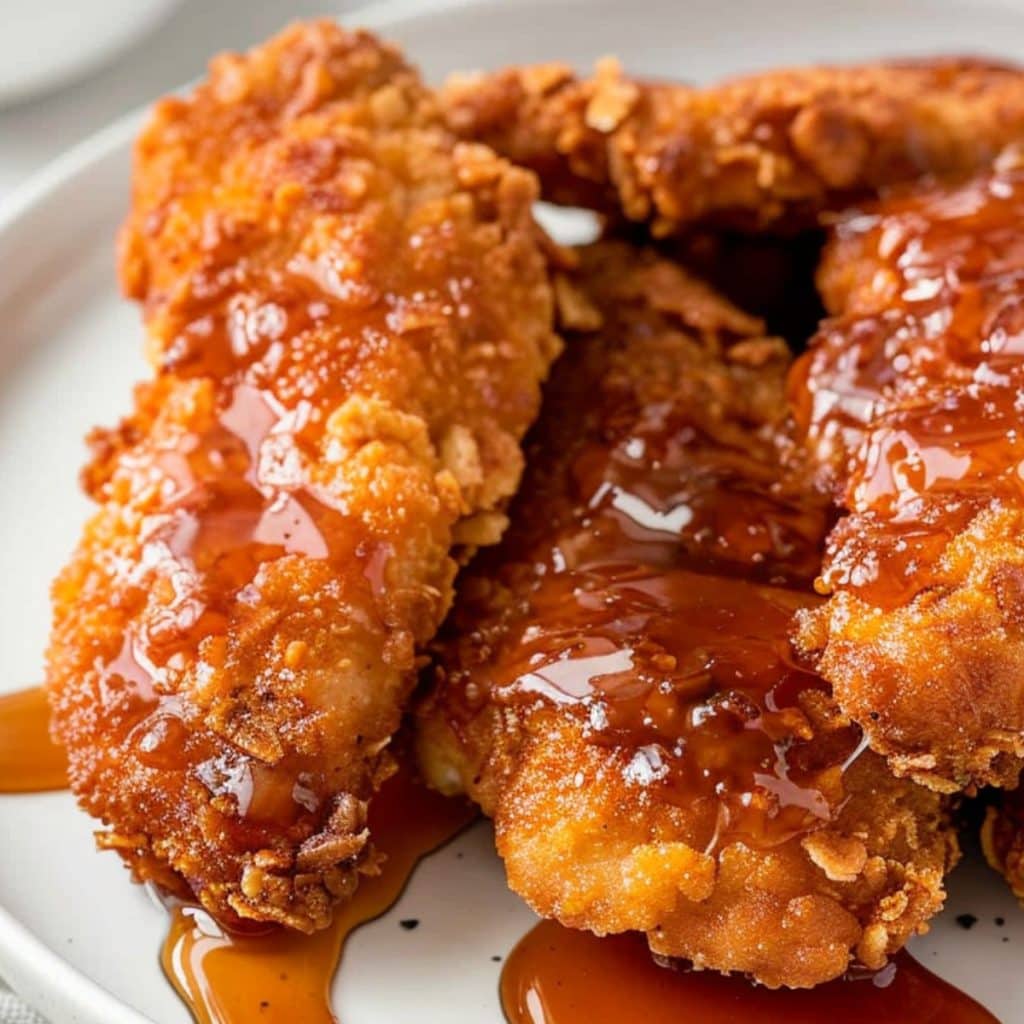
(615,685)
(769,150)
(348,315)
(911,402)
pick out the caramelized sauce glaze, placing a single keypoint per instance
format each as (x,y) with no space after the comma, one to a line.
(693,675)
(247,478)
(279,976)
(29,760)
(233,497)
(559,976)
(648,585)
(911,397)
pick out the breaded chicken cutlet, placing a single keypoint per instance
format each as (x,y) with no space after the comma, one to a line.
(769,150)
(616,687)
(910,399)
(349,315)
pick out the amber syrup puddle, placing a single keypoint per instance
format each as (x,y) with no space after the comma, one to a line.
(559,976)
(30,762)
(285,977)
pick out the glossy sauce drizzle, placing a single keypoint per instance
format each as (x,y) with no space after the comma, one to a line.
(652,573)
(559,976)
(911,397)
(692,676)
(30,761)
(278,976)
(234,499)
(268,520)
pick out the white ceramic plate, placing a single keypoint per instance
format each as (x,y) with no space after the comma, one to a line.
(75,938)
(46,43)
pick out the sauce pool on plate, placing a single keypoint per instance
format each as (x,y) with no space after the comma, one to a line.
(559,976)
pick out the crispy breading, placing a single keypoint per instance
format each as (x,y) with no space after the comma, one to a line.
(349,314)
(769,150)
(910,400)
(615,685)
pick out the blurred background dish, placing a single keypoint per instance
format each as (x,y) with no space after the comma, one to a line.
(172,51)
(47,43)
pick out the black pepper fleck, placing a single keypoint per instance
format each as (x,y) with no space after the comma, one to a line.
(1000,921)
(966,921)
(409,923)
(496,959)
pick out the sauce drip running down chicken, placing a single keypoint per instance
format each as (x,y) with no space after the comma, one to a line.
(277,975)
(349,316)
(30,762)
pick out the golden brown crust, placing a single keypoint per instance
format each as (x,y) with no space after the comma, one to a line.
(592,855)
(936,682)
(587,837)
(349,315)
(767,150)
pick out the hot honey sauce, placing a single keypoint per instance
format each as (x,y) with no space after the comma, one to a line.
(655,563)
(911,401)
(619,683)
(559,976)
(29,760)
(227,976)
(910,397)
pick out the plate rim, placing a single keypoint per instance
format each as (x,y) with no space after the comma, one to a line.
(29,964)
